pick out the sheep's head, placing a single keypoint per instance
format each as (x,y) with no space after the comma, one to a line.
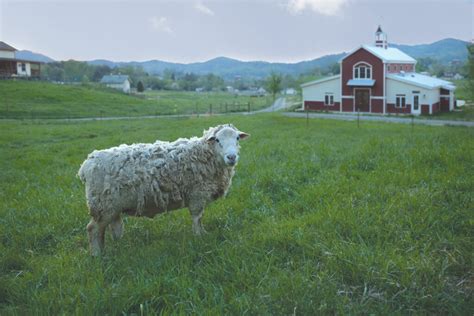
(225,141)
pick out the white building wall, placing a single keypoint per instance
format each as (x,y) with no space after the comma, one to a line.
(125,86)
(19,69)
(7,54)
(395,87)
(317,91)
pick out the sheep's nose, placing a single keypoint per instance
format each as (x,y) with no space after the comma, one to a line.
(231,158)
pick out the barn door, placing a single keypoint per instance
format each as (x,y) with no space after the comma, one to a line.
(362,99)
(415,105)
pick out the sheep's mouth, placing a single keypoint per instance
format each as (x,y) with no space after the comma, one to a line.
(231,163)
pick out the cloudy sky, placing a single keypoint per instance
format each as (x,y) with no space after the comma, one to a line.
(198,30)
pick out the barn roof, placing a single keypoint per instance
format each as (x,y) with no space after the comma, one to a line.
(306,84)
(423,81)
(117,79)
(5,46)
(387,55)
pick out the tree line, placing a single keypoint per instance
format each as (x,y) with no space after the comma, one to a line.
(83,72)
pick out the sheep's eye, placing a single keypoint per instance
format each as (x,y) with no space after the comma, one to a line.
(217,140)
(238,138)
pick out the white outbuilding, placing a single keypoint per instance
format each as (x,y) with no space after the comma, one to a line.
(119,82)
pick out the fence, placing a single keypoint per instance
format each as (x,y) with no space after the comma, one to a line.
(32,111)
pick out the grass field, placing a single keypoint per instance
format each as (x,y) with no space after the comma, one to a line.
(321,219)
(33,100)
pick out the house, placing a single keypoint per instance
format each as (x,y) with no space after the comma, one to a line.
(119,82)
(12,67)
(253,92)
(379,79)
(289,91)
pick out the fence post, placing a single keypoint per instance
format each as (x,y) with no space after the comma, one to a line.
(358,115)
(412,123)
(210,109)
(226,107)
(248,107)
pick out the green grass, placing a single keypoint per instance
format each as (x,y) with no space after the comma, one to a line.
(29,99)
(321,219)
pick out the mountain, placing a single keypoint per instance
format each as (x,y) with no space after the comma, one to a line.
(29,55)
(228,67)
(444,50)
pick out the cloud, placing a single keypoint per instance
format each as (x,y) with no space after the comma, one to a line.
(203,9)
(326,7)
(160,24)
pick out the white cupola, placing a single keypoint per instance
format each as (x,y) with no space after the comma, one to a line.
(380,38)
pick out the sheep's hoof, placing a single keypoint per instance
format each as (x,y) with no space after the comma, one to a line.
(199,231)
(95,253)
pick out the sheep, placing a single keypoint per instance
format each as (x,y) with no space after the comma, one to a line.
(148,179)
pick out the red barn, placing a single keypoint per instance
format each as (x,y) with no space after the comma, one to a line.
(379,79)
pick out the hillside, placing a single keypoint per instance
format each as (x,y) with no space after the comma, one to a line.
(30,99)
(29,55)
(444,50)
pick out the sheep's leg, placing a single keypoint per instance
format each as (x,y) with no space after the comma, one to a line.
(116,227)
(197,213)
(94,238)
(96,231)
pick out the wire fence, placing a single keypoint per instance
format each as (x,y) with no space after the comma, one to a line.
(38,110)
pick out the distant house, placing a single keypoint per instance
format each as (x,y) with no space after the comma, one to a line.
(12,67)
(289,91)
(252,92)
(119,82)
(379,79)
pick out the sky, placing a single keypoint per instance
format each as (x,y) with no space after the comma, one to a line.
(198,30)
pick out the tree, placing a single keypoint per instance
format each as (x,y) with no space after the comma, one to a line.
(188,82)
(274,84)
(100,71)
(470,69)
(140,87)
(85,80)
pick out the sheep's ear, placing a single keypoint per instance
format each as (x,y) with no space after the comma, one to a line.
(211,139)
(243,135)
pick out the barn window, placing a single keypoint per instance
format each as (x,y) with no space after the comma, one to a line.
(400,101)
(362,71)
(23,67)
(329,99)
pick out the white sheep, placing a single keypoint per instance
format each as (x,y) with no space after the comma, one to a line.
(147,179)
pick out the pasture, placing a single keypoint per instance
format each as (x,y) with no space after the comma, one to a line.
(322,218)
(36,100)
